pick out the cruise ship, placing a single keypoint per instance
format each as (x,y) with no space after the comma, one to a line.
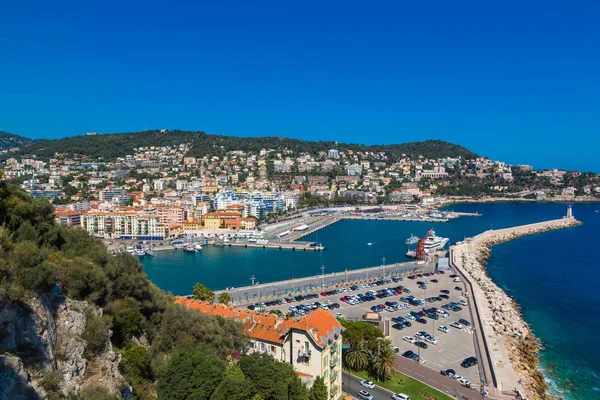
(434,243)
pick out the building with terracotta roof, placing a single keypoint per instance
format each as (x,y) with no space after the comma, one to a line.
(311,344)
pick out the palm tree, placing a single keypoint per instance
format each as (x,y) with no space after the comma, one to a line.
(384,360)
(357,356)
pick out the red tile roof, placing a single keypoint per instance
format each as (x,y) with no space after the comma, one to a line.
(319,324)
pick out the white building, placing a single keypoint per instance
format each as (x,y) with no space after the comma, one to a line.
(312,344)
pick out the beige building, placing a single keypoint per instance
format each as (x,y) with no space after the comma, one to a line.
(312,344)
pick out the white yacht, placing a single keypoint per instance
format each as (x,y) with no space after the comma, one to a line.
(434,243)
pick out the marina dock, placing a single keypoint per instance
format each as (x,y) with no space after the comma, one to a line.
(321,282)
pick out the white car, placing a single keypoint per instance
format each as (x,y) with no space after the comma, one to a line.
(462,302)
(338,315)
(364,395)
(443,313)
(367,384)
(456,325)
(431,340)
(328,302)
(444,329)
(464,382)
(409,339)
(410,316)
(421,360)
(458,377)
(400,396)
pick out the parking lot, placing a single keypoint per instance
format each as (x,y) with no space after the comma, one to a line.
(451,348)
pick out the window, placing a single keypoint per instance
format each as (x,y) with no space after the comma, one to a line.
(325,362)
(306,347)
(272,349)
(262,347)
(325,375)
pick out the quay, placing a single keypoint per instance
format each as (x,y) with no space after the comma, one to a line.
(302,246)
(500,333)
(320,282)
(324,222)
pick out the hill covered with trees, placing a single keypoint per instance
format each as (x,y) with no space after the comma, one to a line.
(10,140)
(78,323)
(110,146)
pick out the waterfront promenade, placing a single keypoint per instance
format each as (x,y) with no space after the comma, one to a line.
(259,292)
(503,342)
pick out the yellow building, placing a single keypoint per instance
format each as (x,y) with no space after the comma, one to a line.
(211,221)
(191,224)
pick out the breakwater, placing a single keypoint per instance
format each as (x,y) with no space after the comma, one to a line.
(507,349)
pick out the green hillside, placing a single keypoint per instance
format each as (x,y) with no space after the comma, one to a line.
(10,140)
(110,146)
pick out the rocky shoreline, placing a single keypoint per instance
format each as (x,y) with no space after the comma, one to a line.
(500,316)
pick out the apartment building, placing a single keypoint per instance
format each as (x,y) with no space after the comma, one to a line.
(124,224)
(312,344)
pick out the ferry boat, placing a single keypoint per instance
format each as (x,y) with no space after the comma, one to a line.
(434,243)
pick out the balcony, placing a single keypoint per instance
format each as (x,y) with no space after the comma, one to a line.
(334,349)
(333,362)
(304,354)
(333,376)
(333,392)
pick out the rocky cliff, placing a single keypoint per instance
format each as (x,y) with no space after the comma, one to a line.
(42,336)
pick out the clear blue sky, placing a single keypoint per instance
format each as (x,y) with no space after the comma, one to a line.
(517,81)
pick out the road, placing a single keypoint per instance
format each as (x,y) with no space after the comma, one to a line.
(351,383)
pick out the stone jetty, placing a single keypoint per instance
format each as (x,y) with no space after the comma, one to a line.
(508,348)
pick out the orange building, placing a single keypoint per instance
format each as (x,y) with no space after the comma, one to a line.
(222,219)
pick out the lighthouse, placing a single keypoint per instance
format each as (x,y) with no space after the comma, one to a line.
(569,212)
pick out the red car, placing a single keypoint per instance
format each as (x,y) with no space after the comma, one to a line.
(323,294)
(344,299)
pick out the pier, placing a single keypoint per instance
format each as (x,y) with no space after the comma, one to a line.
(498,327)
(300,246)
(258,292)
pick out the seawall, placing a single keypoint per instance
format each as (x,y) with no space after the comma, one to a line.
(507,349)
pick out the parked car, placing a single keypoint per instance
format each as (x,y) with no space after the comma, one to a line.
(462,302)
(456,325)
(409,339)
(468,362)
(367,384)
(421,320)
(431,340)
(448,372)
(400,396)
(464,322)
(408,354)
(445,291)
(443,328)
(338,315)
(422,345)
(458,288)
(398,326)
(464,382)
(364,395)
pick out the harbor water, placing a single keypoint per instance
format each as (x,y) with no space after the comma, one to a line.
(553,275)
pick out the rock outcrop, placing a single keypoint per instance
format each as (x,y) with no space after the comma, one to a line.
(45,334)
(500,313)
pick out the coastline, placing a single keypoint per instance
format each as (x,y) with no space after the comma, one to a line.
(489,199)
(511,348)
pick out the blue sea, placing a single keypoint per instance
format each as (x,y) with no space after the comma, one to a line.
(553,276)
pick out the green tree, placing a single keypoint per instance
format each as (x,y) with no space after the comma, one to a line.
(96,333)
(190,374)
(270,377)
(135,365)
(234,386)
(357,356)
(203,293)
(96,393)
(358,331)
(384,360)
(297,390)
(224,298)
(318,391)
